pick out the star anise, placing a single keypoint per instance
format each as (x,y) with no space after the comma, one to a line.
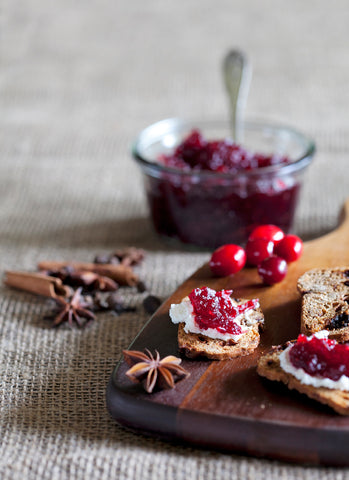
(73,310)
(151,371)
(89,281)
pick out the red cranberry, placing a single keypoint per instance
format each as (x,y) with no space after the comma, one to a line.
(257,249)
(227,260)
(290,248)
(272,270)
(271,232)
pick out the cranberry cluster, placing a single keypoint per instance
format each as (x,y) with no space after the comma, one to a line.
(267,247)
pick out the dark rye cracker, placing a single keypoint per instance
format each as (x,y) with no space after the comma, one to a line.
(325,302)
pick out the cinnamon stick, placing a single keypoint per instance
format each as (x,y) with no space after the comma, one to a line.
(37,283)
(122,274)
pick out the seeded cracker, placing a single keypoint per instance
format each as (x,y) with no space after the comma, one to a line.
(194,345)
(325,302)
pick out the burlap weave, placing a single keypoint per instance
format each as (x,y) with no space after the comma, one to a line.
(78,80)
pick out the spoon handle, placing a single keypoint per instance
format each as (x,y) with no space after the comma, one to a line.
(237,76)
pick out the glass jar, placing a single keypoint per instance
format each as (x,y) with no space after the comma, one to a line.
(209,209)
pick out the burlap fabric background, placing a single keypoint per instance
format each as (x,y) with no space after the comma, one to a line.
(78,80)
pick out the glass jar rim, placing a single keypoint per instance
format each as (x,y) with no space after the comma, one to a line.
(169,125)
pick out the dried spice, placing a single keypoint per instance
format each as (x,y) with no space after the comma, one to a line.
(37,283)
(122,274)
(128,256)
(76,309)
(89,281)
(94,284)
(152,371)
(112,302)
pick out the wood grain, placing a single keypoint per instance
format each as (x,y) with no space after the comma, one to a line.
(225,404)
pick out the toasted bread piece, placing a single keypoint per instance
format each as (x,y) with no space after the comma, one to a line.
(194,345)
(325,302)
(269,367)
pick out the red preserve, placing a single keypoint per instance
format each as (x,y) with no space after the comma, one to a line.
(215,310)
(320,357)
(223,156)
(210,211)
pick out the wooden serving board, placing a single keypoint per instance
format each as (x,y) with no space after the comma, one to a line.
(225,404)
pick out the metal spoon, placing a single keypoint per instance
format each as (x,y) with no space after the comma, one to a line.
(237,73)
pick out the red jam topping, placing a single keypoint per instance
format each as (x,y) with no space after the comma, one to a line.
(215,310)
(224,156)
(320,357)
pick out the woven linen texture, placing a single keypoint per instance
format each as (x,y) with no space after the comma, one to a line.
(78,80)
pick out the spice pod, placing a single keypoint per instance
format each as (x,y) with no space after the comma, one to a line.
(123,274)
(37,283)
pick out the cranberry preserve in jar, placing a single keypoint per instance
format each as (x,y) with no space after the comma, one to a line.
(205,190)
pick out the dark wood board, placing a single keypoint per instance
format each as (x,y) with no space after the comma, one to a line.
(225,404)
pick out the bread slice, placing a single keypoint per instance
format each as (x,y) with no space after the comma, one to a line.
(325,302)
(194,345)
(269,367)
